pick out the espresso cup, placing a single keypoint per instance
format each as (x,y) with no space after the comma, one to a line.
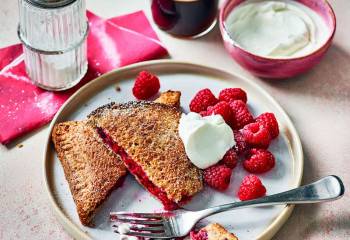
(185,18)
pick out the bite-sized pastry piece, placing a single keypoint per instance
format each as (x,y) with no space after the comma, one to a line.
(91,169)
(213,231)
(145,135)
(171,98)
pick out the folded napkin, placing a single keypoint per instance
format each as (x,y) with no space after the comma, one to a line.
(111,43)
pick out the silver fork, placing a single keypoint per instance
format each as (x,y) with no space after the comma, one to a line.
(179,223)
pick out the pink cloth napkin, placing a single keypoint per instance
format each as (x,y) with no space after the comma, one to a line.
(111,43)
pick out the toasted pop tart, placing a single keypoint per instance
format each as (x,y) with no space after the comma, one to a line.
(91,169)
(145,135)
(171,98)
(213,231)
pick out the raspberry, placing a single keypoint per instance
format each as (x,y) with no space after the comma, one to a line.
(241,114)
(270,122)
(146,85)
(203,99)
(259,161)
(241,145)
(204,113)
(251,188)
(230,94)
(201,235)
(218,176)
(230,159)
(221,108)
(256,135)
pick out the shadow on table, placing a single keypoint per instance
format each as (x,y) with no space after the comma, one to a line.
(329,80)
(306,220)
(327,225)
(19,142)
(305,223)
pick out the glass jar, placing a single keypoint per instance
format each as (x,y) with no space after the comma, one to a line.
(53,33)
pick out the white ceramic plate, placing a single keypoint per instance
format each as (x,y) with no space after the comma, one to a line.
(252,223)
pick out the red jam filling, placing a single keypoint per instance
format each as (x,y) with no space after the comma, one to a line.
(201,235)
(137,171)
(120,182)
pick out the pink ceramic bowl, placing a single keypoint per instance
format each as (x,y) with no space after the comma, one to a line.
(272,67)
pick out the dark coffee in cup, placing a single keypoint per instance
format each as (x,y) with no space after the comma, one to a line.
(184,17)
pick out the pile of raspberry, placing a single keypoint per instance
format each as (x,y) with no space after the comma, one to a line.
(252,135)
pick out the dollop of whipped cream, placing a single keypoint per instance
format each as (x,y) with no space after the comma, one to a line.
(206,139)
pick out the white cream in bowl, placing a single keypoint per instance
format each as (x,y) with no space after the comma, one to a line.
(276,28)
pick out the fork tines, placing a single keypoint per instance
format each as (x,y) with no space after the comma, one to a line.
(140,224)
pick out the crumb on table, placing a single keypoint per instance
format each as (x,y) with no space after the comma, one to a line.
(20,145)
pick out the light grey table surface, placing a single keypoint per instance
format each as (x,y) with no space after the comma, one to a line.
(318,103)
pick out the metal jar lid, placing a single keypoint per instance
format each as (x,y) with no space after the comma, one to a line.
(50,3)
(52,29)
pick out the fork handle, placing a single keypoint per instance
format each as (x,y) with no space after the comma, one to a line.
(326,189)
